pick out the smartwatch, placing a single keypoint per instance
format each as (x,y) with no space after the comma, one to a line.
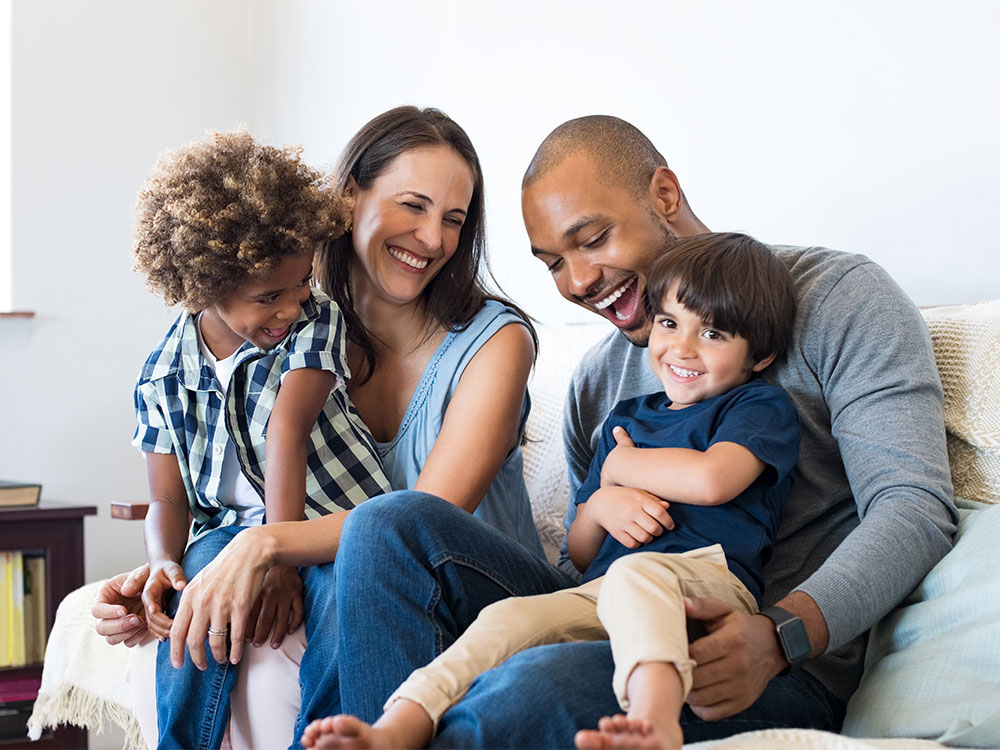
(792,636)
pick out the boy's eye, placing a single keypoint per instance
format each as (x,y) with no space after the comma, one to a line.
(667,322)
(306,280)
(714,335)
(267,300)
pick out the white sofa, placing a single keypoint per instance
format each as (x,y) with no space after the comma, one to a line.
(932,674)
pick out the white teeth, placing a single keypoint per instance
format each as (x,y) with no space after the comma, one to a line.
(410,260)
(685,373)
(614,296)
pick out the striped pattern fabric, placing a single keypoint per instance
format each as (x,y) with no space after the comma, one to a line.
(181,409)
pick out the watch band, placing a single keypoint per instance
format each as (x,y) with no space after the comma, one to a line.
(792,637)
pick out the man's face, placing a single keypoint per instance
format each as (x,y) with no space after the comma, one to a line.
(597,241)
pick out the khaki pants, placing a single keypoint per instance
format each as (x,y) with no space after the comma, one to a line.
(638,605)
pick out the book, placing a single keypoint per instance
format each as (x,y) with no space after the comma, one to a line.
(6,615)
(35,612)
(15,561)
(19,493)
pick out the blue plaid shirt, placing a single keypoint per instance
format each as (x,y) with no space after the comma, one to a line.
(181,408)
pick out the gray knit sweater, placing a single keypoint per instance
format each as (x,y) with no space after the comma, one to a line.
(871,508)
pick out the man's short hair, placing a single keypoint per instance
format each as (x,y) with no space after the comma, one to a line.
(622,154)
(735,283)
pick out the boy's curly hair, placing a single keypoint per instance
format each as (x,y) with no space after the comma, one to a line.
(220,212)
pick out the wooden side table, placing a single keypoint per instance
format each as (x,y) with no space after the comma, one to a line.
(56,531)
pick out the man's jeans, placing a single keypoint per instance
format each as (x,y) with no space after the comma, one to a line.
(413,571)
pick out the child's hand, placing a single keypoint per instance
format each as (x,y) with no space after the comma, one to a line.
(279,609)
(609,469)
(163,577)
(633,517)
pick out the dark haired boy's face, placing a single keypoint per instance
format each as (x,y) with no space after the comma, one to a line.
(693,359)
(597,240)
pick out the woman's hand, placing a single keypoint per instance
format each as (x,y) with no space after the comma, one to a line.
(121,617)
(221,596)
(279,607)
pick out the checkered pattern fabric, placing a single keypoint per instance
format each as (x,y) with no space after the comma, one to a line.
(181,409)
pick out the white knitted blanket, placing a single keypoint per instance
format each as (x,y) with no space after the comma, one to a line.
(967,349)
(84,679)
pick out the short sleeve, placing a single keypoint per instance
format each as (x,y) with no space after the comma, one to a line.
(152,434)
(763,420)
(320,341)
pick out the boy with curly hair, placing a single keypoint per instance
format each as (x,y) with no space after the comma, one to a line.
(242,408)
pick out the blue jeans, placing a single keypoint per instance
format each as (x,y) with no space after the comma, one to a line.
(415,571)
(192,707)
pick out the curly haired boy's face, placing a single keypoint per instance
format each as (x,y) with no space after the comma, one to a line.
(406,224)
(262,312)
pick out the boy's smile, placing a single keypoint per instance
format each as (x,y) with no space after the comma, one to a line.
(693,360)
(262,312)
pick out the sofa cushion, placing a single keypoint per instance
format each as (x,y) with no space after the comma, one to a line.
(933,664)
(967,349)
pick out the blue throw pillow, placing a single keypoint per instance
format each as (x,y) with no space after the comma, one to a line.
(933,664)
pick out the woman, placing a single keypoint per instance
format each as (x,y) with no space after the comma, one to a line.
(434,358)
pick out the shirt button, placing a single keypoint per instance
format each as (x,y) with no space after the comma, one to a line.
(219,450)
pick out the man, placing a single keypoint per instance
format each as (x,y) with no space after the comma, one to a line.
(870,511)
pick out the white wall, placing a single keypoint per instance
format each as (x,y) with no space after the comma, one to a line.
(861,126)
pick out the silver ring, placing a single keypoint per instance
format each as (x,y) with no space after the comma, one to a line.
(224,632)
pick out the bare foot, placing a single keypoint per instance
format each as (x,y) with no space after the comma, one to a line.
(341,731)
(404,725)
(619,732)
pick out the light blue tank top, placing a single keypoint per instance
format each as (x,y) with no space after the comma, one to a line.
(506,505)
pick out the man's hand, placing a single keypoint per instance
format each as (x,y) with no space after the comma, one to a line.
(121,617)
(735,660)
(633,517)
(279,606)
(163,578)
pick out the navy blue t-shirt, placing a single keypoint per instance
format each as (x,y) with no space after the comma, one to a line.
(756,415)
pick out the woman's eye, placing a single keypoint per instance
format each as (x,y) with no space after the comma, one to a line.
(454,221)
(414,206)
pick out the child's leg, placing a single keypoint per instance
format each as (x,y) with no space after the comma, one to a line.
(501,630)
(641,605)
(192,707)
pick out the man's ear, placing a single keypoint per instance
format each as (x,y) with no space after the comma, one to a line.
(665,194)
(763,363)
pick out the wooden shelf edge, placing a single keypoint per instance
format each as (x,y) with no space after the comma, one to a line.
(17,314)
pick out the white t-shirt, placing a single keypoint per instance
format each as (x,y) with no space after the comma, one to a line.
(234,488)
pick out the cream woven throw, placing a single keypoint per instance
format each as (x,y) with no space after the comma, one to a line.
(967,349)
(84,679)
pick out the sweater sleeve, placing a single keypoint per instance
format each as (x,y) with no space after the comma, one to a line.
(872,354)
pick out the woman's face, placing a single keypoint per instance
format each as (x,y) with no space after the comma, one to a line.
(406,224)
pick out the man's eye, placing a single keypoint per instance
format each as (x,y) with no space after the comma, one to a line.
(554,265)
(598,240)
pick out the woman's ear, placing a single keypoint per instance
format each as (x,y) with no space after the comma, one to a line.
(352,187)
(763,364)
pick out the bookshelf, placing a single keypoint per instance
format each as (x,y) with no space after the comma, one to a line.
(56,531)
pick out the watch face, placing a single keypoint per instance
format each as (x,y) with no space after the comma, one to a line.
(794,641)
